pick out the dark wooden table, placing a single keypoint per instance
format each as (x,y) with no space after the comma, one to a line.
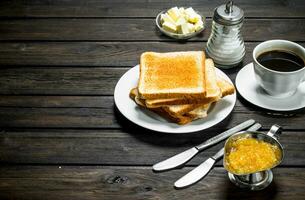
(61,136)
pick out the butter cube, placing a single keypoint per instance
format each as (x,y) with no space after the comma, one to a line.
(181,10)
(184,29)
(162,18)
(169,27)
(190,11)
(198,25)
(166,18)
(191,27)
(192,15)
(174,13)
(180,21)
(194,18)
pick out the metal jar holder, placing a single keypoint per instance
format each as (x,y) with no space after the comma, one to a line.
(258,180)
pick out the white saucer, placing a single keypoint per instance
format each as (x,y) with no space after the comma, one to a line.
(150,120)
(249,89)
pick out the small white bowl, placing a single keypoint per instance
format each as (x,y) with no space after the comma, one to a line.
(178,35)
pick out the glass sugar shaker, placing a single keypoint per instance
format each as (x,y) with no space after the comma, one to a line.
(225,44)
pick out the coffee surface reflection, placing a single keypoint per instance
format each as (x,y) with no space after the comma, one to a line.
(280,61)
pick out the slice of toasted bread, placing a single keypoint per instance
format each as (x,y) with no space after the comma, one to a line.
(183,114)
(179,119)
(212,88)
(172,75)
(200,112)
(134,95)
(213,92)
(180,109)
(225,86)
(226,89)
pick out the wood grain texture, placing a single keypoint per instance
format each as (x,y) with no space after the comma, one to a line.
(136,29)
(106,116)
(138,8)
(60,80)
(61,136)
(88,54)
(72,182)
(130,146)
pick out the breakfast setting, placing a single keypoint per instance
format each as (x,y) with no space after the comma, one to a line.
(136,100)
(188,91)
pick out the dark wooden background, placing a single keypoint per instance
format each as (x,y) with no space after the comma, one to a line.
(60,134)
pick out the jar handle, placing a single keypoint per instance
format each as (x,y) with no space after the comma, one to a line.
(275,131)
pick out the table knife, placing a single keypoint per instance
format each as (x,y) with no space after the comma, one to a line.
(204,168)
(187,155)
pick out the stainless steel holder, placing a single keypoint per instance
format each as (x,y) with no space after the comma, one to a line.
(225,44)
(259,180)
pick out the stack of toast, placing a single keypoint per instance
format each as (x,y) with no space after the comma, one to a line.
(180,86)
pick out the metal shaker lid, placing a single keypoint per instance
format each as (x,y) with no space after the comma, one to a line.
(228,14)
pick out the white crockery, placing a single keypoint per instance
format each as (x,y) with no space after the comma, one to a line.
(152,121)
(276,83)
(249,89)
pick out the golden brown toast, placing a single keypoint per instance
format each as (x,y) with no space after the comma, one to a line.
(175,113)
(225,88)
(199,112)
(212,88)
(186,111)
(172,75)
(179,119)
(213,92)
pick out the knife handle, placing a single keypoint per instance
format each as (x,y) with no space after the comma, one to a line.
(225,135)
(255,127)
(219,154)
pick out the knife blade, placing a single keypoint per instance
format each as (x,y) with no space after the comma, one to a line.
(187,155)
(204,168)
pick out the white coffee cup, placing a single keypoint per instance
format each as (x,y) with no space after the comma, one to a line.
(277,83)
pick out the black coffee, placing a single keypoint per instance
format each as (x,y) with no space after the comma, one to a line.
(281,61)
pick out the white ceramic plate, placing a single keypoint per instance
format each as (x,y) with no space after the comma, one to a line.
(249,89)
(150,120)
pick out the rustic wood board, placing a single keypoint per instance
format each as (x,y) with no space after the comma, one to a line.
(132,147)
(136,29)
(89,54)
(138,8)
(61,136)
(106,116)
(109,182)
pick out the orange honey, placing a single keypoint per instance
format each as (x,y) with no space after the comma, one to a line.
(249,155)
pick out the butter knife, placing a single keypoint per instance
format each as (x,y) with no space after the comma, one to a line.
(187,155)
(204,168)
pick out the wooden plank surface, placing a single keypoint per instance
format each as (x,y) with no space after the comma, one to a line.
(106,116)
(136,29)
(61,136)
(138,8)
(72,182)
(88,54)
(132,146)
(60,80)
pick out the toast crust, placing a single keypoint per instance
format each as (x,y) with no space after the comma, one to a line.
(179,119)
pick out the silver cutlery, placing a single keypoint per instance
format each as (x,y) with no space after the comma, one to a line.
(204,168)
(187,155)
